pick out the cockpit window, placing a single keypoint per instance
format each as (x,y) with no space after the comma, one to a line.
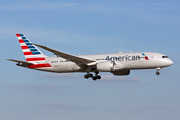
(164,56)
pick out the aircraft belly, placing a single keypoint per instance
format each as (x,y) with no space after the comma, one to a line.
(65,67)
(49,69)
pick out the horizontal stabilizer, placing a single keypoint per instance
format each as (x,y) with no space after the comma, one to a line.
(23,62)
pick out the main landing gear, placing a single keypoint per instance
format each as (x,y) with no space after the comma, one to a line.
(158,69)
(88,75)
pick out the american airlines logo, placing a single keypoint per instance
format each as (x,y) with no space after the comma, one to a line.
(126,58)
(145,56)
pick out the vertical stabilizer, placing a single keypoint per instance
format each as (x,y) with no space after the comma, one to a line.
(31,52)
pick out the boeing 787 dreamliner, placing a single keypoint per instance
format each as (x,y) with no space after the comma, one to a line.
(116,63)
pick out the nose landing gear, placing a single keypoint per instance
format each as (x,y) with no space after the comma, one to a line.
(158,69)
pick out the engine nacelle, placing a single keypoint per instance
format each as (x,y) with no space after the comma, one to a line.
(105,66)
(122,72)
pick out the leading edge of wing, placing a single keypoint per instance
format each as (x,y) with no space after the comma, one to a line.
(73,58)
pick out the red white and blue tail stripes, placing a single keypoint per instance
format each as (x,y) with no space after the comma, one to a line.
(31,52)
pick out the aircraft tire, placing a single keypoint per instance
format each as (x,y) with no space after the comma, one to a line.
(91,75)
(98,77)
(157,73)
(86,76)
(94,78)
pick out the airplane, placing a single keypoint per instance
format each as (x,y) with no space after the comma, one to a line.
(117,63)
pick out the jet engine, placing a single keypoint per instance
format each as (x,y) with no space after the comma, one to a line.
(122,72)
(105,66)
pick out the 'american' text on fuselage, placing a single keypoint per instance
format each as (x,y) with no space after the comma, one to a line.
(123,58)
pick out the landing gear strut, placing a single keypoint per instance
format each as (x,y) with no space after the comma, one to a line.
(158,69)
(88,75)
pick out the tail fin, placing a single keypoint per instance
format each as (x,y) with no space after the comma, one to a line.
(31,52)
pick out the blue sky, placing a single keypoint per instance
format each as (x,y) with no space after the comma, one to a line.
(90,27)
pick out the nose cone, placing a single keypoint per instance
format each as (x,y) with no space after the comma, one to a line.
(166,62)
(170,62)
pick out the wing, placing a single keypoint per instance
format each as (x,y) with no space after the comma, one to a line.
(81,61)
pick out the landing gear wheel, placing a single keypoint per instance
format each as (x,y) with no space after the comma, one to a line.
(86,76)
(157,73)
(158,69)
(94,78)
(98,77)
(91,75)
